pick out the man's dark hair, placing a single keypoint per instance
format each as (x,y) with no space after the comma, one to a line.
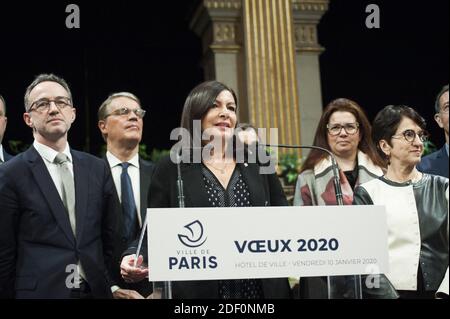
(437,106)
(45,78)
(2,99)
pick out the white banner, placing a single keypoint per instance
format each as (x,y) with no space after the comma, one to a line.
(266,242)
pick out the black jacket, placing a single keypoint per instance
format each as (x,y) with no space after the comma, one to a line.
(36,240)
(6,156)
(265,190)
(120,241)
(436,163)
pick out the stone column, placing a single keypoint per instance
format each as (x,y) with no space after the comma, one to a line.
(270,65)
(218,23)
(267,51)
(307,14)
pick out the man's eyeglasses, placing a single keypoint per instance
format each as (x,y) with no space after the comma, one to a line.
(43,105)
(125,111)
(410,135)
(335,129)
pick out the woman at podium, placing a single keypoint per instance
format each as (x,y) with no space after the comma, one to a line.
(216,180)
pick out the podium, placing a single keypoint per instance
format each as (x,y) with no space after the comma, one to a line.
(196,244)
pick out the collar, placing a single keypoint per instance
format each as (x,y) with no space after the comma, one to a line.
(114,161)
(446,148)
(49,154)
(416,184)
(2,158)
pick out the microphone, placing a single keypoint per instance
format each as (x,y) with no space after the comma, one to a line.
(335,167)
(180,180)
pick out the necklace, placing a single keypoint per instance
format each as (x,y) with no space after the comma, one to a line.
(221,170)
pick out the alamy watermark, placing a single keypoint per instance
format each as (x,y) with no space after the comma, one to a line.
(373,19)
(73,280)
(204,144)
(373,278)
(73,19)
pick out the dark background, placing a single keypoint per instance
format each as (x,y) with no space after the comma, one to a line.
(146,47)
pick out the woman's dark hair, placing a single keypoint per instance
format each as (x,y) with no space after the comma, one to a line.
(387,122)
(200,100)
(320,139)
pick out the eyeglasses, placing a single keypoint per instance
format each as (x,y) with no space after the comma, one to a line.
(125,111)
(335,129)
(445,109)
(410,135)
(43,105)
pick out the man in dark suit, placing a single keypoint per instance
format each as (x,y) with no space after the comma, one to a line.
(121,122)
(437,162)
(55,228)
(3,121)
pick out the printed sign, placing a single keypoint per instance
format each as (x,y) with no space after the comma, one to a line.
(266,242)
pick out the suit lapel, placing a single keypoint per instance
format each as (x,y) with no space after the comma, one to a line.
(81,177)
(117,203)
(443,160)
(145,175)
(49,191)
(443,153)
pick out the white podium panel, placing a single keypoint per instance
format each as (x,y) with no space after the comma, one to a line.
(266,242)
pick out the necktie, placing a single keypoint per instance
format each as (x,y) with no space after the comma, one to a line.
(68,198)
(128,203)
(68,188)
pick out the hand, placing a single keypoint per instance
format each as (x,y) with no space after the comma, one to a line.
(154,295)
(129,272)
(127,294)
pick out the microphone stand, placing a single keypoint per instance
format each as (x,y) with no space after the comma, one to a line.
(167,284)
(180,191)
(335,167)
(339,201)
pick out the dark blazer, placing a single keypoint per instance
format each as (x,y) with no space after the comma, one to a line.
(36,240)
(121,242)
(265,190)
(6,156)
(436,163)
